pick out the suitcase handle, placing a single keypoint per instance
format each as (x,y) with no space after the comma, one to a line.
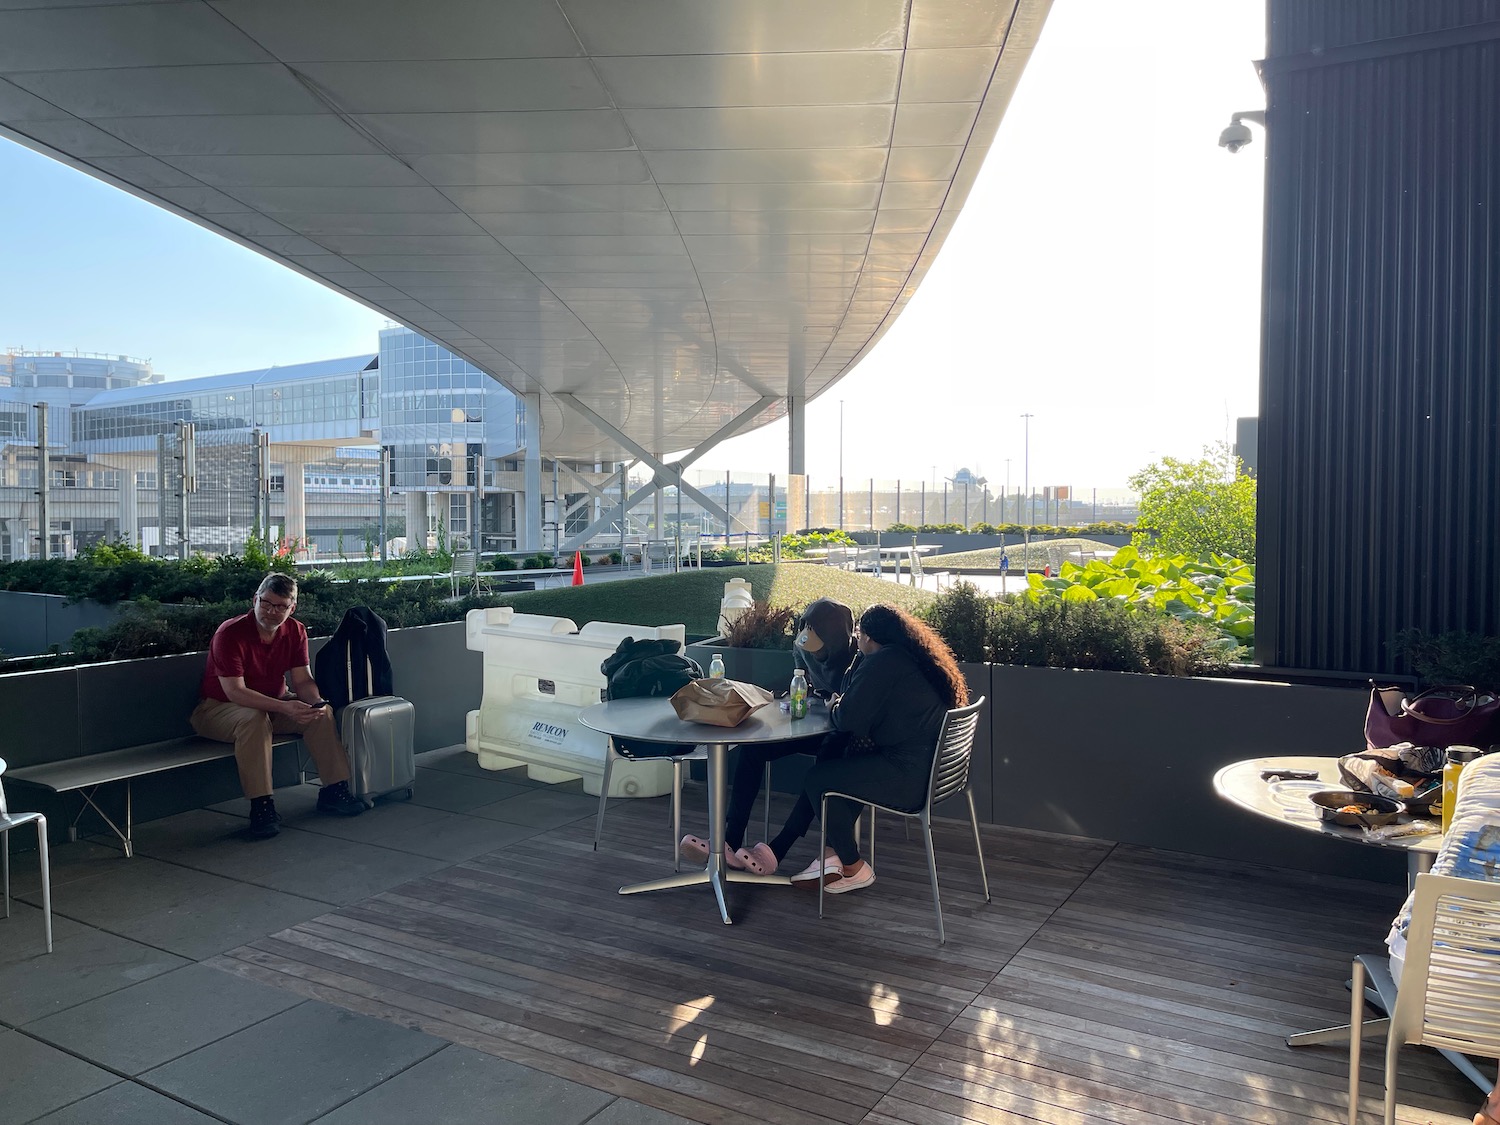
(349,674)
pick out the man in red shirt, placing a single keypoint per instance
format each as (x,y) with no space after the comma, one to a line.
(245,699)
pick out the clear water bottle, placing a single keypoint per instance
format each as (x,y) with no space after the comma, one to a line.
(716,667)
(799,695)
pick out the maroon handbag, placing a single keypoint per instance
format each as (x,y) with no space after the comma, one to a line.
(1455,715)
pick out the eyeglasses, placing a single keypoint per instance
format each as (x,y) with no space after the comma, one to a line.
(279,607)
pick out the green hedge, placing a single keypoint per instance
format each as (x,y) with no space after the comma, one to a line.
(1107,635)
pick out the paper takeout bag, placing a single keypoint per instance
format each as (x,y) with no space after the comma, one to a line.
(719,702)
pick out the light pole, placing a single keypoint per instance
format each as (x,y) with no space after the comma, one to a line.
(1026,476)
(841,464)
(1007,494)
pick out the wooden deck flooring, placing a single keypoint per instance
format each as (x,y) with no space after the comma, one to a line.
(1104,984)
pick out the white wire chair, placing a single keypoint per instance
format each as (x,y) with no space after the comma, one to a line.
(1449,993)
(9,820)
(465,577)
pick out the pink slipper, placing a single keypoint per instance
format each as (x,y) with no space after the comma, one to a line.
(694,850)
(759,860)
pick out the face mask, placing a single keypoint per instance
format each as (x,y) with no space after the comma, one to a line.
(809,641)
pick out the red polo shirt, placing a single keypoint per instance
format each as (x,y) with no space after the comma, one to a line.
(237,650)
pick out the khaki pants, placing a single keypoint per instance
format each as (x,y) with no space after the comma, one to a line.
(250,731)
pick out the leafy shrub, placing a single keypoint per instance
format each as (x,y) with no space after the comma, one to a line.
(504,562)
(1219,592)
(615,557)
(111,552)
(902,528)
(146,628)
(943,528)
(1103,634)
(539,561)
(961,615)
(762,626)
(797,546)
(1451,658)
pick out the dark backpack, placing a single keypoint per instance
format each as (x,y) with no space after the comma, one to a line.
(639,669)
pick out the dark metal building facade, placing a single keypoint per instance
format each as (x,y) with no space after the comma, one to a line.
(1380,368)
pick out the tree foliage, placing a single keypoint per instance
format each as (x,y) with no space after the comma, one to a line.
(1196,507)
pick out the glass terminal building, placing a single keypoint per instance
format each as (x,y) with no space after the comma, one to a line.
(451,435)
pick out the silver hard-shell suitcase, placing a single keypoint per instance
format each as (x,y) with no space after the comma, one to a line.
(379,733)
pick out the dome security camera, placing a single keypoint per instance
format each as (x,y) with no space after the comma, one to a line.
(1235,137)
(1238,134)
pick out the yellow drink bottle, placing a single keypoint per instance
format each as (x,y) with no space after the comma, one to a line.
(1458,758)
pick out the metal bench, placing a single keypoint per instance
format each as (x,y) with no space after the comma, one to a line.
(86,774)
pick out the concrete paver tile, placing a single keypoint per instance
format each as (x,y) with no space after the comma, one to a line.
(623,1111)
(226,918)
(81,859)
(460,793)
(22,935)
(80,968)
(308,864)
(132,887)
(36,1078)
(458,1085)
(125,1103)
(151,1023)
(456,838)
(542,808)
(294,1066)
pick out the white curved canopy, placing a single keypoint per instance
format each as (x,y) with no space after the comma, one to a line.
(668,211)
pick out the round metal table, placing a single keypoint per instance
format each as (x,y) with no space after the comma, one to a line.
(654,720)
(1286,801)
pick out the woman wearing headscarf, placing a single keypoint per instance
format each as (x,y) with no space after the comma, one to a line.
(824,650)
(898,692)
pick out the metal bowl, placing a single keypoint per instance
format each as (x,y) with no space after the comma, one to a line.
(1383,810)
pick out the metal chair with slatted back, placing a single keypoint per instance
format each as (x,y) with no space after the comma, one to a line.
(1449,993)
(949,777)
(9,820)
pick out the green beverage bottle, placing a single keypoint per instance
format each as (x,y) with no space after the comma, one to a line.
(799,695)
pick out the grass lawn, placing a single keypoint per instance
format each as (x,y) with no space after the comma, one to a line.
(692,597)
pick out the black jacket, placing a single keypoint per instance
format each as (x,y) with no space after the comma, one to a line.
(647,668)
(359,637)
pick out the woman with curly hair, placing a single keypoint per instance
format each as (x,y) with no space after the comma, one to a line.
(898,691)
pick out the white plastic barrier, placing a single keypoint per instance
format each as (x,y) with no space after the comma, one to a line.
(737,599)
(538,673)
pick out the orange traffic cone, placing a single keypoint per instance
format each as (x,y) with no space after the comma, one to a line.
(578,569)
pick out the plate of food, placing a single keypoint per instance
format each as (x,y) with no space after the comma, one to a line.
(1355,810)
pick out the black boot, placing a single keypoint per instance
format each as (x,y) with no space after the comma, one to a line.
(263,818)
(336,800)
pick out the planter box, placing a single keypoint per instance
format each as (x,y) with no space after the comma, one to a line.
(31,624)
(1131,758)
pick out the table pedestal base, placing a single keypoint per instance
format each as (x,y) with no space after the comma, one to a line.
(1381,993)
(716,879)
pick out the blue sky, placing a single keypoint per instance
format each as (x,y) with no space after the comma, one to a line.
(1103,277)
